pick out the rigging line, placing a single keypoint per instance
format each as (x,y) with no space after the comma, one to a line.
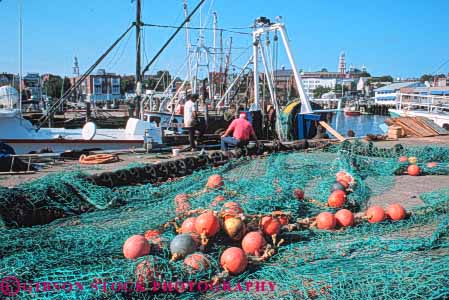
(77,84)
(442,65)
(200,28)
(144,46)
(121,50)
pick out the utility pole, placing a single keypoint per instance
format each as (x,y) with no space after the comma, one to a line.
(138,58)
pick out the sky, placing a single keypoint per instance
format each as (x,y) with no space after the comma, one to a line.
(402,38)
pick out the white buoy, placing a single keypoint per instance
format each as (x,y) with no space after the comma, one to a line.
(89,131)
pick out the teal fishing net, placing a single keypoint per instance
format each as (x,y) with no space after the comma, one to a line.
(406,259)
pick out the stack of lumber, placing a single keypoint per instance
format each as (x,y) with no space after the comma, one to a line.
(417,126)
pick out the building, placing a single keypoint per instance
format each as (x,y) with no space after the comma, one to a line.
(32,84)
(310,84)
(100,87)
(387,95)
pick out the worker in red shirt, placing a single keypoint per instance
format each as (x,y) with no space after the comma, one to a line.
(241,130)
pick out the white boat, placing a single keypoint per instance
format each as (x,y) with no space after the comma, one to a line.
(24,137)
(435,108)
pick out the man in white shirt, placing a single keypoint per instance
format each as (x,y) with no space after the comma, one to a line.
(190,114)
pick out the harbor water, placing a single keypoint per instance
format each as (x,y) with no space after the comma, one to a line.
(361,125)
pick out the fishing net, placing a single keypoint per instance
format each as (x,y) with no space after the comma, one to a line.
(406,259)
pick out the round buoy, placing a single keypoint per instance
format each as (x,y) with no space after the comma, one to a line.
(234,260)
(412,160)
(344,183)
(136,246)
(182,245)
(270,225)
(253,243)
(375,214)
(218,200)
(325,220)
(182,203)
(231,209)
(282,218)
(146,271)
(339,186)
(235,228)
(432,164)
(207,223)
(214,182)
(188,225)
(197,262)
(396,212)
(298,193)
(154,237)
(344,218)
(181,198)
(403,159)
(343,175)
(413,170)
(337,199)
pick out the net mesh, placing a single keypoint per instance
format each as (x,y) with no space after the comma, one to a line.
(407,259)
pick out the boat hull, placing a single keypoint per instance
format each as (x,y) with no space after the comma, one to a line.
(24,146)
(352,113)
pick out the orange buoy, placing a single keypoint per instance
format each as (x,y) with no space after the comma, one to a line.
(207,223)
(197,262)
(337,199)
(136,246)
(344,218)
(214,182)
(403,159)
(432,164)
(235,228)
(375,214)
(146,271)
(344,183)
(181,198)
(253,243)
(343,175)
(270,225)
(234,260)
(188,225)
(231,209)
(282,218)
(298,193)
(413,170)
(326,220)
(217,200)
(396,212)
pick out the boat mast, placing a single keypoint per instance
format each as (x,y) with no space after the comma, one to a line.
(138,57)
(20,54)
(188,45)
(214,60)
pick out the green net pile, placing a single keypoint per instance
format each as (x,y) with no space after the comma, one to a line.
(407,259)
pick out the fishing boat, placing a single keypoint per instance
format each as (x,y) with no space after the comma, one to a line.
(435,108)
(352,111)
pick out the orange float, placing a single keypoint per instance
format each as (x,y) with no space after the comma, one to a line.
(270,225)
(197,262)
(188,225)
(326,220)
(145,272)
(214,181)
(396,212)
(375,214)
(253,243)
(182,203)
(154,237)
(413,170)
(207,224)
(231,209)
(136,246)
(217,200)
(337,199)
(234,260)
(403,159)
(343,175)
(432,164)
(344,218)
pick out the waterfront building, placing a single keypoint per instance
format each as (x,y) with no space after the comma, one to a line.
(387,95)
(100,87)
(310,84)
(32,85)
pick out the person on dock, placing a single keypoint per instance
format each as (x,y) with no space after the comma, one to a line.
(241,130)
(190,118)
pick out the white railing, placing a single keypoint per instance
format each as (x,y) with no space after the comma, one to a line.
(429,102)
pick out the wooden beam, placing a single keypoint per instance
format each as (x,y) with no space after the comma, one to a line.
(332,131)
